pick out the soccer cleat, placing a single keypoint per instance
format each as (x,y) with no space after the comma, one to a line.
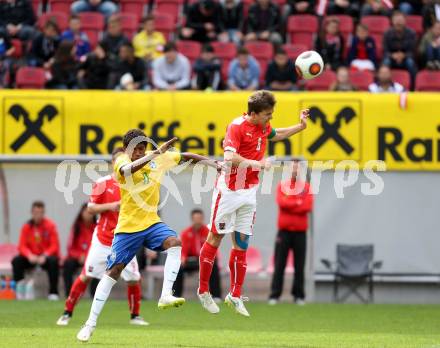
(273,301)
(85,333)
(300,302)
(53,297)
(138,320)
(169,301)
(64,320)
(208,303)
(237,304)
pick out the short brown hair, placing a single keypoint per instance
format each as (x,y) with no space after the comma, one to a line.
(261,100)
(38,204)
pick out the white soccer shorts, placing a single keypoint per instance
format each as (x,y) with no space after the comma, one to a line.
(96,262)
(233,210)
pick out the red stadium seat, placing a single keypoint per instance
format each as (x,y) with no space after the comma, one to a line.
(263,69)
(18,45)
(190,49)
(261,50)
(224,50)
(129,23)
(345,25)
(322,82)
(415,23)
(60,18)
(225,70)
(254,260)
(246,5)
(37,6)
(361,79)
(164,23)
(60,5)
(28,77)
(289,264)
(7,253)
(403,77)
(294,50)
(302,28)
(136,7)
(376,24)
(172,7)
(92,23)
(428,81)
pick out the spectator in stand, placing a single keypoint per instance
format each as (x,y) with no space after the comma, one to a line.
(38,246)
(430,47)
(207,70)
(45,45)
(148,43)
(330,44)
(130,73)
(7,51)
(399,45)
(233,20)
(263,22)
(410,7)
(94,71)
(17,19)
(203,22)
(172,71)
(64,69)
(243,72)
(113,39)
(362,53)
(342,83)
(431,13)
(78,246)
(78,37)
(295,202)
(295,7)
(106,7)
(377,8)
(192,239)
(346,7)
(280,74)
(384,82)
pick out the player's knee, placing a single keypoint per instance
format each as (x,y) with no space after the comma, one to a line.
(116,271)
(172,242)
(241,240)
(84,279)
(214,239)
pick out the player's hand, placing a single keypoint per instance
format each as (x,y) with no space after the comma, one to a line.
(41,259)
(304,116)
(115,206)
(266,163)
(33,259)
(220,166)
(168,145)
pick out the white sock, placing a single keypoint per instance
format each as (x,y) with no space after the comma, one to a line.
(172,265)
(101,295)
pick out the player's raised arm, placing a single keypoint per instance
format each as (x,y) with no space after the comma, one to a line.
(95,208)
(130,168)
(234,159)
(194,158)
(283,133)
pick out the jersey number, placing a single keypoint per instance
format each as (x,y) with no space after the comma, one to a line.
(259,144)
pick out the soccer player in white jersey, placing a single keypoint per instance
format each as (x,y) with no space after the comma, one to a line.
(234,199)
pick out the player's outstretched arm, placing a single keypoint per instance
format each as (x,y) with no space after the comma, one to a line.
(95,208)
(134,166)
(234,159)
(283,133)
(195,158)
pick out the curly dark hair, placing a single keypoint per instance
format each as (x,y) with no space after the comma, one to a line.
(132,134)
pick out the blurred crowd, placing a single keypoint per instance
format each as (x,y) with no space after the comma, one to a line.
(216,45)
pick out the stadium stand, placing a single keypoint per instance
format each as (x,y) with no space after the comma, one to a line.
(28,77)
(301,29)
(428,81)
(321,83)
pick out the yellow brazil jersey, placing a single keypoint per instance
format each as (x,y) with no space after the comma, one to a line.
(148,45)
(140,192)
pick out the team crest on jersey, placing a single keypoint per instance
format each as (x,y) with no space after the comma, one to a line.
(222,225)
(146,178)
(90,269)
(113,256)
(153,165)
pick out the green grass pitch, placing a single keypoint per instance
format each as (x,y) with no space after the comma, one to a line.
(32,324)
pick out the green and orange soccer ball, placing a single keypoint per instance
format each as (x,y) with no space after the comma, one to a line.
(309,65)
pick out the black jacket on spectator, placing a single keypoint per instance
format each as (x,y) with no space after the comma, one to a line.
(233,18)
(331,53)
(111,45)
(370,47)
(208,73)
(43,49)
(429,16)
(5,44)
(275,73)
(395,42)
(417,5)
(263,20)
(96,72)
(137,69)
(19,12)
(352,9)
(64,74)
(310,8)
(196,20)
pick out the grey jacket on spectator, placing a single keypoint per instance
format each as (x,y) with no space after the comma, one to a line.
(177,73)
(399,42)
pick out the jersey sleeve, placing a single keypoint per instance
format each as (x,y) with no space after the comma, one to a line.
(171,159)
(121,161)
(232,138)
(98,190)
(272,132)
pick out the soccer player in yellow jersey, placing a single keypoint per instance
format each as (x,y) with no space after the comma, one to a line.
(139,176)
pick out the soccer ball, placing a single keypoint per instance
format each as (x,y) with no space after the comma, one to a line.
(309,65)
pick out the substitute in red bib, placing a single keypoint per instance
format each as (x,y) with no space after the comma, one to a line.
(234,199)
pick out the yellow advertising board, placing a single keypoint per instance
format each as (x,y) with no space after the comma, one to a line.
(356,126)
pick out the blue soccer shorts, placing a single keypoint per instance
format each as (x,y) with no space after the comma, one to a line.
(126,245)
